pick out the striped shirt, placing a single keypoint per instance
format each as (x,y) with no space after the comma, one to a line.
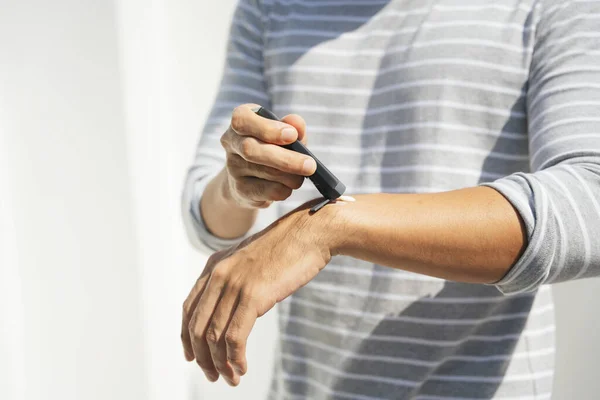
(406,96)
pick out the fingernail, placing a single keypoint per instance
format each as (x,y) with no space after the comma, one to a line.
(288,134)
(211,376)
(309,166)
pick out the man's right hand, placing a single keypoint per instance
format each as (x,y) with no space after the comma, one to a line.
(259,171)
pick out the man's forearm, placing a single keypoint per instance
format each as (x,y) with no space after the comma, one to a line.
(468,235)
(222,216)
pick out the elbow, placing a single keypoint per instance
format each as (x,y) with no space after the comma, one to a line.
(563,207)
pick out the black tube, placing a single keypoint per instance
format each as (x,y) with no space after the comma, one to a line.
(326,183)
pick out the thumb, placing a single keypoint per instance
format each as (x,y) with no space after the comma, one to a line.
(297,122)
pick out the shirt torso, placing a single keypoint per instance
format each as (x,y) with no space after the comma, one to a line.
(406,97)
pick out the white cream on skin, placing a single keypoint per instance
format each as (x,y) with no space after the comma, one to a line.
(340,200)
(343,199)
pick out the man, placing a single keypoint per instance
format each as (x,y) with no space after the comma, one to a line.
(468,133)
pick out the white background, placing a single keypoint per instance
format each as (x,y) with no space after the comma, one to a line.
(100,107)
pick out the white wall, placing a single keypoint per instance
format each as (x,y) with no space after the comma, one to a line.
(63,150)
(171,53)
(100,107)
(578,335)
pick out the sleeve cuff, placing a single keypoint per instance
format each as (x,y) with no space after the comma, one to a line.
(527,274)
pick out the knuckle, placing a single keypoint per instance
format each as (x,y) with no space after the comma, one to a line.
(234,287)
(247,296)
(237,119)
(187,305)
(212,336)
(196,334)
(218,274)
(248,148)
(281,193)
(232,338)
(224,142)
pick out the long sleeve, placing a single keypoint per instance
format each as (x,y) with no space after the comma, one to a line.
(559,200)
(242,82)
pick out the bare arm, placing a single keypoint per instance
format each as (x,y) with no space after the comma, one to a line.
(218,206)
(468,235)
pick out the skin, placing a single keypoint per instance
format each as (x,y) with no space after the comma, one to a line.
(257,171)
(413,232)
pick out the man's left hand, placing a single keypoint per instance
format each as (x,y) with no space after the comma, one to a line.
(242,283)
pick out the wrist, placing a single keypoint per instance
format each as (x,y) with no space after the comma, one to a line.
(326,226)
(339,234)
(220,211)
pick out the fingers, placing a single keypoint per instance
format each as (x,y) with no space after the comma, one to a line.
(261,169)
(189,306)
(242,168)
(257,152)
(215,335)
(237,334)
(199,324)
(219,329)
(185,333)
(245,122)
(297,122)
(259,190)
(257,140)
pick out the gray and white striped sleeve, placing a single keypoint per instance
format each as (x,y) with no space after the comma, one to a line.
(559,200)
(242,82)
